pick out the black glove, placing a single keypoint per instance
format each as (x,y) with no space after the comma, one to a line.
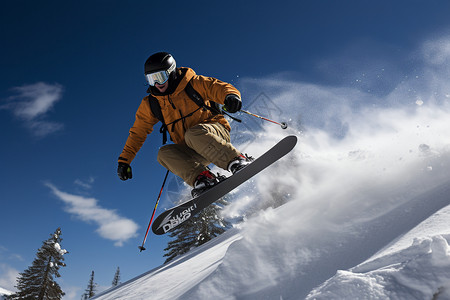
(124,171)
(232,103)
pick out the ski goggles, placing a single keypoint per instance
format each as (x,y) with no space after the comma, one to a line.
(160,77)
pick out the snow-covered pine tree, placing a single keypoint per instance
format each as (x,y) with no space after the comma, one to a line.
(116,279)
(91,288)
(37,282)
(197,230)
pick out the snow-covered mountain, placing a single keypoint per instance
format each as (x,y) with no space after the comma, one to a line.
(4,292)
(368,216)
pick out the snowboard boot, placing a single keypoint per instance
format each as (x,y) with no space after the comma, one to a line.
(205,180)
(239,163)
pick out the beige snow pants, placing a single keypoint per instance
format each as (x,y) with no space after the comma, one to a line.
(205,144)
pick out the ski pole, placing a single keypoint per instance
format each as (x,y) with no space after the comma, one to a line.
(282,124)
(153,214)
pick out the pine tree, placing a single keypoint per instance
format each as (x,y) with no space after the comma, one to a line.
(116,279)
(91,288)
(197,230)
(37,282)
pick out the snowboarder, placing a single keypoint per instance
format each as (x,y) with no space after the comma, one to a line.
(200,133)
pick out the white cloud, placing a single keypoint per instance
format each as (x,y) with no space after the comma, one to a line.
(31,105)
(110,225)
(8,277)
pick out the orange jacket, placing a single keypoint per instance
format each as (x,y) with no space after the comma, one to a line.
(177,105)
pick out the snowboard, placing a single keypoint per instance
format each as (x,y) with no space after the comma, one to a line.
(174,216)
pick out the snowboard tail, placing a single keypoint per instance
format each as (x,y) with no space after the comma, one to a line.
(174,216)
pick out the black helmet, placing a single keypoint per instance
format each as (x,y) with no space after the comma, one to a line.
(161,61)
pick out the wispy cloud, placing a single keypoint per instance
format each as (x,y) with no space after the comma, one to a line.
(31,104)
(111,225)
(86,184)
(8,255)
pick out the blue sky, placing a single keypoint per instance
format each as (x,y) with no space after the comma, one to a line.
(72,78)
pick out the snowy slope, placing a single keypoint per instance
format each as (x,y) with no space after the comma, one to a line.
(369,191)
(177,277)
(415,267)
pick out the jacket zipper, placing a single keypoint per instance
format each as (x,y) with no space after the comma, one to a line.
(179,111)
(171,103)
